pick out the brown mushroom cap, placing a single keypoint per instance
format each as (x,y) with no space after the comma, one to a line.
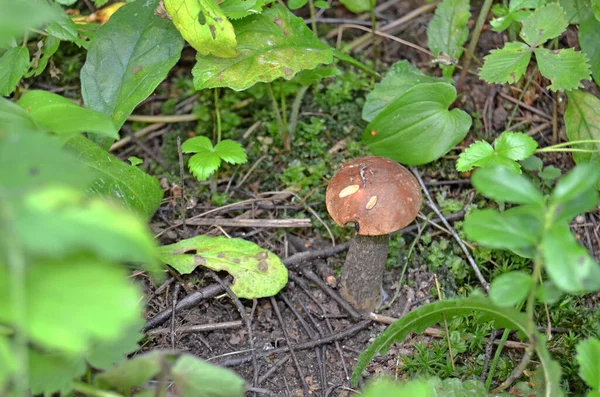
(375,193)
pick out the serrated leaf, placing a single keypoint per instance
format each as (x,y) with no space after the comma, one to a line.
(257,272)
(495,230)
(478,154)
(53,372)
(127,59)
(588,357)
(565,68)
(116,179)
(582,122)
(272,44)
(509,148)
(506,65)
(59,115)
(236,9)
(515,145)
(397,80)
(19,16)
(14,63)
(501,184)
(73,301)
(417,127)
(589,37)
(447,31)
(194,377)
(231,152)
(545,23)
(196,144)
(357,6)
(567,263)
(203,164)
(204,26)
(510,288)
(131,373)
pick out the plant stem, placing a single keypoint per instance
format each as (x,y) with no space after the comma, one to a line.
(544,150)
(287,145)
(89,390)
(217,115)
(357,64)
(537,270)
(580,142)
(313,21)
(283,104)
(490,377)
(373,35)
(521,95)
(296,111)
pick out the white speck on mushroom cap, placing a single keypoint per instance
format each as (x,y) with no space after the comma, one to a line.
(349,190)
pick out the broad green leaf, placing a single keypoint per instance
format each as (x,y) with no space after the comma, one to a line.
(567,263)
(73,301)
(107,354)
(516,5)
(63,27)
(194,377)
(231,152)
(492,229)
(447,31)
(236,9)
(585,201)
(589,37)
(501,184)
(256,271)
(549,175)
(564,68)
(272,44)
(7,360)
(417,127)
(588,357)
(576,10)
(357,6)
(582,122)
(59,115)
(508,289)
(578,181)
(116,179)
(545,23)
(296,4)
(387,387)
(425,316)
(19,16)
(56,221)
(204,26)
(506,65)
(478,154)
(195,144)
(14,63)
(134,372)
(397,80)
(15,120)
(50,47)
(203,164)
(127,59)
(309,77)
(515,145)
(53,372)
(532,163)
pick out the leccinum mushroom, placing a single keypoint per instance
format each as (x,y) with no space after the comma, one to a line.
(378,196)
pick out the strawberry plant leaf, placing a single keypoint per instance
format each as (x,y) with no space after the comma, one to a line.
(582,121)
(515,145)
(357,6)
(272,44)
(545,23)
(127,59)
(236,9)
(502,184)
(506,65)
(478,154)
(61,116)
(257,272)
(398,79)
(417,127)
(194,377)
(63,311)
(231,152)
(196,144)
(203,164)
(51,373)
(510,147)
(588,357)
(564,68)
(447,31)
(510,288)
(14,63)
(204,26)
(589,37)
(116,179)
(131,373)
(495,230)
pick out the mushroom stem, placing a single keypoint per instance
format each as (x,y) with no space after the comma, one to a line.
(362,273)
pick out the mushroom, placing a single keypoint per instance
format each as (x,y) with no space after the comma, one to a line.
(378,196)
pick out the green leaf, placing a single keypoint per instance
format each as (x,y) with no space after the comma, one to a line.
(357,6)
(56,221)
(567,263)
(73,301)
(582,122)
(272,44)
(501,184)
(53,372)
(196,144)
(508,289)
(397,80)
(588,357)
(417,127)
(509,148)
(236,9)
(7,360)
(545,23)
(127,59)
(387,387)
(576,10)
(194,377)
(116,179)
(495,230)
(425,316)
(50,47)
(322,4)
(203,164)
(578,181)
(549,174)
(107,354)
(131,373)
(589,37)
(15,120)
(515,145)
(447,31)
(19,16)
(478,154)
(564,68)
(296,4)
(135,160)
(309,77)
(532,163)
(548,293)
(63,27)
(256,271)
(204,26)
(506,65)
(596,10)
(61,116)
(231,152)
(14,63)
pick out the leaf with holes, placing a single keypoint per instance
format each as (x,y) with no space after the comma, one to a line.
(272,44)
(257,272)
(204,25)
(564,68)
(506,65)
